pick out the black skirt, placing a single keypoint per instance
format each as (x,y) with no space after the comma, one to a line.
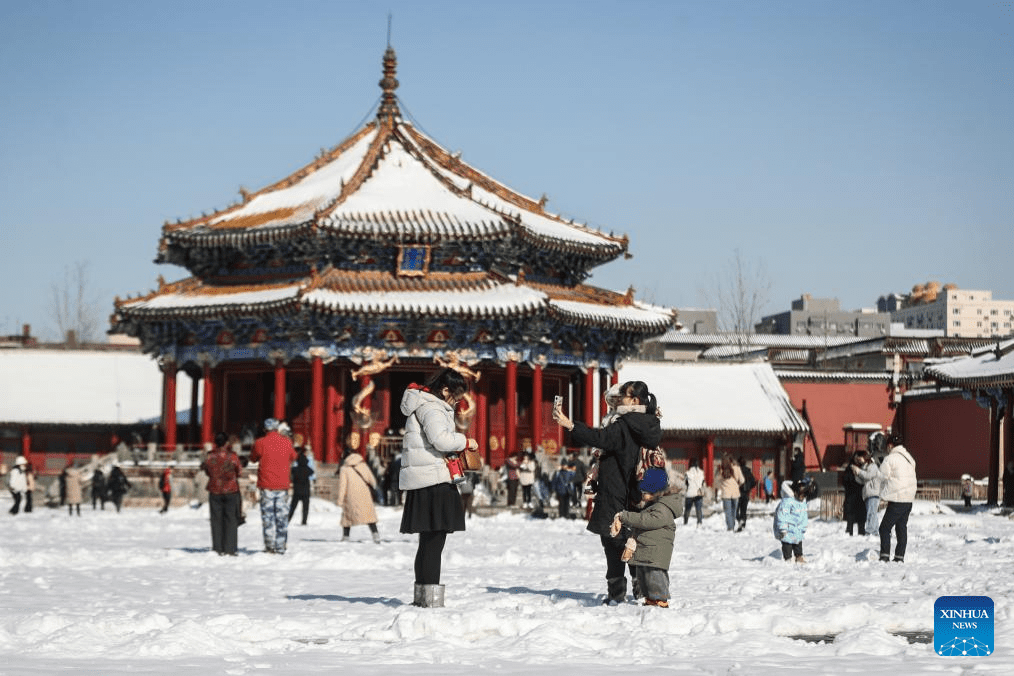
(433,508)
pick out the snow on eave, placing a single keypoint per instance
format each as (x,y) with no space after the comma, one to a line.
(732,398)
(637,315)
(495,300)
(984,368)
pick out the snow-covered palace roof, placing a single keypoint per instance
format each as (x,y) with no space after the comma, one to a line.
(985,367)
(81,387)
(319,242)
(707,399)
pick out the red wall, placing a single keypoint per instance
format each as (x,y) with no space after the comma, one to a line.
(830,406)
(947,435)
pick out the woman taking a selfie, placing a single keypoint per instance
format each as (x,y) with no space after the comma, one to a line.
(621,441)
(432,502)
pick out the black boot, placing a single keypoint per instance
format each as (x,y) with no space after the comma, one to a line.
(616,590)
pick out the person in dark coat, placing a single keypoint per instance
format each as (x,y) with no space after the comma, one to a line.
(1008,484)
(636,426)
(854,506)
(301,477)
(798,469)
(223,469)
(749,481)
(118,485)
(99,488)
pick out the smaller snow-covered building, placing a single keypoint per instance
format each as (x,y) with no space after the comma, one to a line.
(64,404)
(982,383)
(709,410)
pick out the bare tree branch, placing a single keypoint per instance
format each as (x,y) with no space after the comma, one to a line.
(741,291)
(74,307)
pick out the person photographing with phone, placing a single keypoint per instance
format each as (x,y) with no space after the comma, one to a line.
(429,463)
(636,426)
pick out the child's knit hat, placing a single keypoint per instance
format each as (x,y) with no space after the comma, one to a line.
(655,480)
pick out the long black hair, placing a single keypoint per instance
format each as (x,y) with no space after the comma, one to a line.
(449,378)
(639,390)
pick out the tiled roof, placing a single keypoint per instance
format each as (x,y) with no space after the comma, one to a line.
(476,294)
(986,367)
(390,180)
(810,375)
(82,387)
(753,340)
(706,399)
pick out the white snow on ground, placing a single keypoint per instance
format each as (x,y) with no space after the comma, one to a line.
(137,592)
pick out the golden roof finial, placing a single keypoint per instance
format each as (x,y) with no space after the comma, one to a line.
(389,102)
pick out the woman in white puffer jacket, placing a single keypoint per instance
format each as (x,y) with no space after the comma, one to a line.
(432,503)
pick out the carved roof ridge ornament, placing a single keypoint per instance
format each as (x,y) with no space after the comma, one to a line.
(388,112)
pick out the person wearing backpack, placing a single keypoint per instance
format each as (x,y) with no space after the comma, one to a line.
(636,427)
(744,493)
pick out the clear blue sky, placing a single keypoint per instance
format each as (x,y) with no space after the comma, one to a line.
(851,148)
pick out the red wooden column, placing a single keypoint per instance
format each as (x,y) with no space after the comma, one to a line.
(364,432)
(26,444)
(537,406)
(194,404)
(279,412)
(709,462)
(207,408)
(993,487)
(482,417)
(512,408)
(332,405)
(1008,427)
(169,398)
(589,396)
(317,404)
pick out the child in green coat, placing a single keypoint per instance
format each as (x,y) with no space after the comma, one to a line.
(654,531)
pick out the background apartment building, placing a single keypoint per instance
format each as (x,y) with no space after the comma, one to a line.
(957,312)
(824,317)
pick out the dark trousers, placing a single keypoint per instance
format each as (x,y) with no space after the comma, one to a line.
(224,509)
(615,566)
(17,503)
(564,501)
(896,517)
(28,501)
(166,497)
(298,498)
(744,500)
(428,555)
(790,549)
(697,502)
(512,491)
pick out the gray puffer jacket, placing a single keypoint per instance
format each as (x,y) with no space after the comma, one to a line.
(430,434)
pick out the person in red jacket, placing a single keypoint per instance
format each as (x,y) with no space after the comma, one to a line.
(274,454)
(223,469)
(165,487)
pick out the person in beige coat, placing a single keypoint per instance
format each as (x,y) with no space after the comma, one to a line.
(355,495)
(72,479)
(729,478)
